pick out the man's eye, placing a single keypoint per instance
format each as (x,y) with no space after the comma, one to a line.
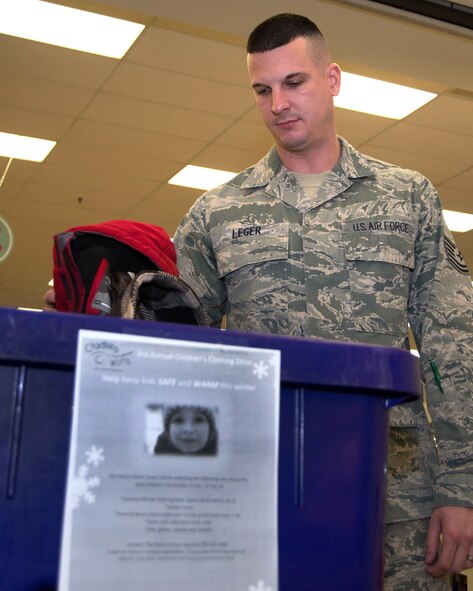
(261,91)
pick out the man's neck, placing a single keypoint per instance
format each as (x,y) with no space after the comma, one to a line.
(320,159)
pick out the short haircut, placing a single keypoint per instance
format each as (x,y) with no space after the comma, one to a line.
(280,30)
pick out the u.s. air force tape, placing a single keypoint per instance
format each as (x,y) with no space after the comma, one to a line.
(454,257)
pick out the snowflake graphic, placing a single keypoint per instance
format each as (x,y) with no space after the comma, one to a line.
(260,369)
(82,487)
(83,482)
(260,587)
(95,455)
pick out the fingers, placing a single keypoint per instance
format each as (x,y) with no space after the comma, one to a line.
(451,558)
(454,527)
(469,559)
(433,539)
(50,300)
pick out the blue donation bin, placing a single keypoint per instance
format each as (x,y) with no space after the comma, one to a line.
(332,448)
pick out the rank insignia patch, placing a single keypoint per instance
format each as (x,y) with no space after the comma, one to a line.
(454,257)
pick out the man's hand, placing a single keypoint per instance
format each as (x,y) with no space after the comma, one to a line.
(50,300)
(455,525)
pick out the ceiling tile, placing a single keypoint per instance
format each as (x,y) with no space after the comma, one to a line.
(8,193)
(427,142)
(227,158)
(247,135)
(179,90)
(133,141)
(253,114)
(108,162)
(188,54)
(54,64)
(463,182)
(359,128)
(156,117)
(152,212)
(436,171)
(6,203)
(33,123)
(168,195)
(456,200)
(394,45)
(166,206)
(94,181)
(85,202)
(446,112)
(41,95)
(19,170)
(56,219)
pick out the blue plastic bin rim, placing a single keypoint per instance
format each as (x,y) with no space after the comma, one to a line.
(51,338)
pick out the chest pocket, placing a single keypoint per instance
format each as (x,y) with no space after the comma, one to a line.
(379,264)
(241,247)
(252,261)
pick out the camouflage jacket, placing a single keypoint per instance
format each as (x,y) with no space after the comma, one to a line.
(368,255)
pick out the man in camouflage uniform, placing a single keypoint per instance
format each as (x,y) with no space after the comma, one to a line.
(319,240)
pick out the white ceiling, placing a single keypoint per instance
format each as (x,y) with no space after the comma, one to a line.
(180,96)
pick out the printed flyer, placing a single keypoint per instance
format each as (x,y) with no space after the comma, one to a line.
(172,480)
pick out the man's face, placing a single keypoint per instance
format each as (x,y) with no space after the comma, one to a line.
(294,86)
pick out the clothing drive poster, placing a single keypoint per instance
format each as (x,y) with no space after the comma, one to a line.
(172,480)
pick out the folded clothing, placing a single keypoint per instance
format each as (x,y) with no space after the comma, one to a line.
(95,264)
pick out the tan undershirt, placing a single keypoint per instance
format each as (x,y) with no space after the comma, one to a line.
(311,184)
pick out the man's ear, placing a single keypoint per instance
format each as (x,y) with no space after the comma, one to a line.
(334,74)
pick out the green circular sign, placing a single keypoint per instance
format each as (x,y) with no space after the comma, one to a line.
(6,239)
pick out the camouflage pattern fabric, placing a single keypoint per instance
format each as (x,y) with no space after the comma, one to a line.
(368,255)
(404,559)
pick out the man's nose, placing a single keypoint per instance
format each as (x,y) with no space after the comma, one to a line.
(279,102)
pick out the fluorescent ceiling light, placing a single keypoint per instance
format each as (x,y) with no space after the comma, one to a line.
(199,177)
(67,27)
(375,97)
(24,147)
(458,221)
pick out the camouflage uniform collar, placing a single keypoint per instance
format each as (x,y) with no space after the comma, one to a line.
(261,174)
(352,164)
